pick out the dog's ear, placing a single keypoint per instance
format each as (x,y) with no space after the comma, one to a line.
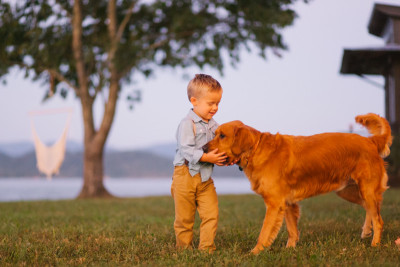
(244,140)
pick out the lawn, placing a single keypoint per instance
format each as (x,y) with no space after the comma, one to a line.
(139,231)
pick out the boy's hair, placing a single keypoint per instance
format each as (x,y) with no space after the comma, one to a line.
(201,83)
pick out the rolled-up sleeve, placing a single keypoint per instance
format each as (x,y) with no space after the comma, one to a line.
(186,142)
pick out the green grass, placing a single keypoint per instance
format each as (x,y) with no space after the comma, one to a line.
(126,232)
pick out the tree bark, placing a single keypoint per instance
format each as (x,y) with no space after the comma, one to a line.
(93,170)
(93,185)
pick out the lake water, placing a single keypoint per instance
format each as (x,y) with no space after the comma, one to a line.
(25,189)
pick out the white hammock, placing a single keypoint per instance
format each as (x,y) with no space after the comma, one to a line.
(50,158)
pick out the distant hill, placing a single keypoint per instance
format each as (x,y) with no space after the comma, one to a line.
(167,150)
(117,164)
(17,149)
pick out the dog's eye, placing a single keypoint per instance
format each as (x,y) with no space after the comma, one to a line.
(222,136)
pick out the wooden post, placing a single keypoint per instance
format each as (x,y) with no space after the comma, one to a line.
(395,79)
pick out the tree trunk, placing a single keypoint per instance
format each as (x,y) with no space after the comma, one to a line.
(93,184)
(94,141)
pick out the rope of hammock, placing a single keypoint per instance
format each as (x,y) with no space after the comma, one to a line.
(50,158)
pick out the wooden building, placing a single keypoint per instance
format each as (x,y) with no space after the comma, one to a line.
(384,60)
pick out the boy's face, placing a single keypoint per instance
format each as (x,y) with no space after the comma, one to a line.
(206,106)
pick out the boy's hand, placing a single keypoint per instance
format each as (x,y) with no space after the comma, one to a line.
(233,162)
(214,157)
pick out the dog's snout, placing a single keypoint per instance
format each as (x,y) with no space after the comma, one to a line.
(205,148)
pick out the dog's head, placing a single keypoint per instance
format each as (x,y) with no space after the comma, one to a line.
(234,138)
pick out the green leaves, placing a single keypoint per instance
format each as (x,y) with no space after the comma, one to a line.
(37,35)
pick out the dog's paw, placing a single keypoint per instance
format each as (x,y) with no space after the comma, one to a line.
(375,243)
(366,234)
(257,249)
(291,243)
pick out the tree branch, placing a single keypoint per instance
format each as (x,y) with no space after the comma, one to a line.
(114,33)
(77,49)
(124,22)
(61,78)
(53,72)
(77,44)
(110,105)
(112,29)
(159,44)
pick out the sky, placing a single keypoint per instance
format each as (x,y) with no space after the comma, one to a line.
(301,93)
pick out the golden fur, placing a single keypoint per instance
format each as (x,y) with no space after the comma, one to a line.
(285,169)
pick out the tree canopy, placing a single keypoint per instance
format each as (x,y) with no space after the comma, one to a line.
(37,35)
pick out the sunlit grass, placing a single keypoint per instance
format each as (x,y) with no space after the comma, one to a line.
(140,232)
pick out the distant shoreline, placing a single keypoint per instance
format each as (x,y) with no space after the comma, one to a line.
(27,189)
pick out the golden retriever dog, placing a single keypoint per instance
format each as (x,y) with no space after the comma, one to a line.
(285,169)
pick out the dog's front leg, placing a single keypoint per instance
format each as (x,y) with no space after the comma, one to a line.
(271,225)
(292,215)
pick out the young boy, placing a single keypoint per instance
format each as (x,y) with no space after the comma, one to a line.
(192,186)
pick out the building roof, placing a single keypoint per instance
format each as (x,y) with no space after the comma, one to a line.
(373,60)
(380,15)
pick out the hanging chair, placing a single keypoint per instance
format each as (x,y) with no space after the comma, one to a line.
(50,158)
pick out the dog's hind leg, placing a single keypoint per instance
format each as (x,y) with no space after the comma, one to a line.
(372,185)
(367,227)
(292,215)
(352,194)
(271,225)
(373,209)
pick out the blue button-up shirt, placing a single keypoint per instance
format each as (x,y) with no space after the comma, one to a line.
(189,147)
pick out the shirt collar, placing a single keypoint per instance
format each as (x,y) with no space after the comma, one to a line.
(196,118)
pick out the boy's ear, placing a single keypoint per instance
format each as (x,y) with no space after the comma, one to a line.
(193,100)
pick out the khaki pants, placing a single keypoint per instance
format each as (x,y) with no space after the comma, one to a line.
(189,194)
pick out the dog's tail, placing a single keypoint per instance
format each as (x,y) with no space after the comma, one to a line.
(380,129)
